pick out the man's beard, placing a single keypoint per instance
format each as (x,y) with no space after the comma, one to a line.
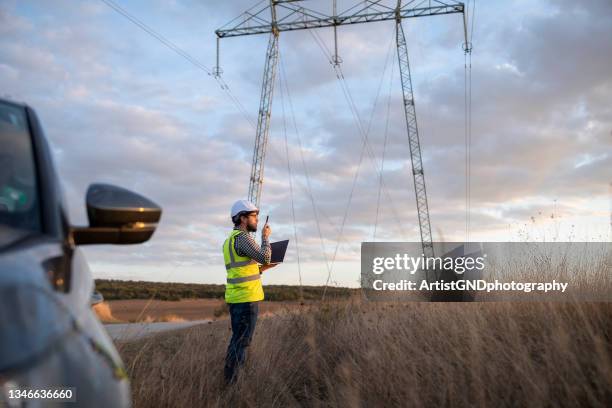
(251,227)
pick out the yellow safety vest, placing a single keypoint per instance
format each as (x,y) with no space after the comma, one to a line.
(243,277)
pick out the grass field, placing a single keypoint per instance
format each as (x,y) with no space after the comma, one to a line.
(356,353)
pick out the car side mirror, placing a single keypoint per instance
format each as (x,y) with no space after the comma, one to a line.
(117,216)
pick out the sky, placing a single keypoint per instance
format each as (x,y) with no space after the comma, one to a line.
(120,107)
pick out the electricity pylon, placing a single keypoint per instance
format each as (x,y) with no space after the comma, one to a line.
(284,15)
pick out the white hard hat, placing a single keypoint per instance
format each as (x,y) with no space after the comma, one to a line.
(243,206)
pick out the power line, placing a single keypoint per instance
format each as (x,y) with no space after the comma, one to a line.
(365,144)
(382,167)
(467,149)
(184,54)
(224,86)
(295,235)
(300,18)
(354,111)
(355,177)
(157,36)
(312,201)
(472,18)
(467,78)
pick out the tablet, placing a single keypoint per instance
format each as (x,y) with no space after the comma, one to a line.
(278,251)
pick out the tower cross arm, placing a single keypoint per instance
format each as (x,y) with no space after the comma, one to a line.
(296,17)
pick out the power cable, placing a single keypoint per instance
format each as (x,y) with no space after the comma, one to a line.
(172,46)
(365,133)
(364,145)
(470,110)
(472,18)
(223,85)
(469,145)
(295,235)
(348,96)
(382,169)
(297,133)
(468,123)
(467,148)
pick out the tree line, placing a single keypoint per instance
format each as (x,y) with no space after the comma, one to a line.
(123,290)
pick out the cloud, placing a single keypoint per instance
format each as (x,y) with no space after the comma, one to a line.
(120,107)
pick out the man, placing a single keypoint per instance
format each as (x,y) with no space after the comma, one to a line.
(243,289)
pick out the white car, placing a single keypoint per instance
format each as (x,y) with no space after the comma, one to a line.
(53,348)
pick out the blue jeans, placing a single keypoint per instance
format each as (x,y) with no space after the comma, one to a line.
(244,318)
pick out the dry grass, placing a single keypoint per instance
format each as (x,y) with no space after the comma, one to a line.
(393,354)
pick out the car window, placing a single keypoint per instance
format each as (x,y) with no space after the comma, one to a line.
(19,204)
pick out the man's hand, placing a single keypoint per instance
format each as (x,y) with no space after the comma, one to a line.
(264,267)
(266,231)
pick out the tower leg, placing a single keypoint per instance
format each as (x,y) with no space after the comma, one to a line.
(413,139)
(263,120)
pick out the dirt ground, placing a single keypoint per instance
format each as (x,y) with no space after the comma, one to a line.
(122,311)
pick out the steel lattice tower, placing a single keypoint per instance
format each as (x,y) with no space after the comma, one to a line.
(296,17)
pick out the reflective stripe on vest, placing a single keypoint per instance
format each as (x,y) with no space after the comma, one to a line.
(244,279)
(233,263)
